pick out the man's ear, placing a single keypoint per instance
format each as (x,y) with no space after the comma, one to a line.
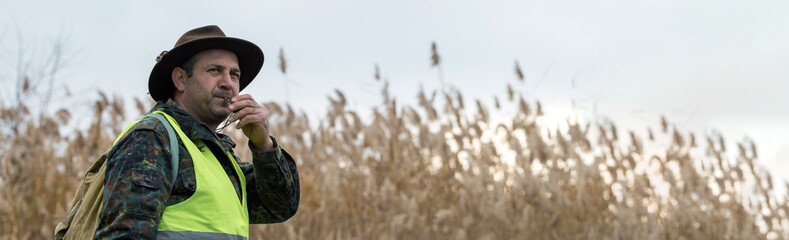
(179,79)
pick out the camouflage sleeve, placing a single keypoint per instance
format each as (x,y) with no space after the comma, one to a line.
(136,185)
(272,185)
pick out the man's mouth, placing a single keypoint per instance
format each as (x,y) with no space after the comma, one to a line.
(225,98)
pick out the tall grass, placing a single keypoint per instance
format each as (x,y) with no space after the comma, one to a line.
(441,169)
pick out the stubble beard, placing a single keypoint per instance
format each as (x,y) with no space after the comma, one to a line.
(210,110)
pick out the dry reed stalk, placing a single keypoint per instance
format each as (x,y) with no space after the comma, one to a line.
(414,172)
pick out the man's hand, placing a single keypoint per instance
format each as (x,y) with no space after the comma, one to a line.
(253,120)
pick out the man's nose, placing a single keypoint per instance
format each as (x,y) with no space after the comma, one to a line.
(226,81)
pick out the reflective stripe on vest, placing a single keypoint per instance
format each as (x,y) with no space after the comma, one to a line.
(214,210)
(196,235)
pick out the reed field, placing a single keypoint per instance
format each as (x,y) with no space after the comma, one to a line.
(445,168)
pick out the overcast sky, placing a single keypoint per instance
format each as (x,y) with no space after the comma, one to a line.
(703,64)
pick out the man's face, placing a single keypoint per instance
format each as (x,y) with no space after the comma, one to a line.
(215,76)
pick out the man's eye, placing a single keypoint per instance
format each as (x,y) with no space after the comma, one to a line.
(213,70)
(234,75)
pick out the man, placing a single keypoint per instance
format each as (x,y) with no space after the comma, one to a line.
(215,195)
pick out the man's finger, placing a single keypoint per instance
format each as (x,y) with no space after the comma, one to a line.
(243,104)
(242,98)
(241,114)
(250,119)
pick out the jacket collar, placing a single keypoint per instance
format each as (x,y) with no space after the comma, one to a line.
(191,127)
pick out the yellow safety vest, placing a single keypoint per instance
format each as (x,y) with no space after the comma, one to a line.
(214,210)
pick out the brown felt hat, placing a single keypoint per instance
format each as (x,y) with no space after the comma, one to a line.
(250,58)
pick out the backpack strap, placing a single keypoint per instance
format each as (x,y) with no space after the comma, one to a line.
(173,141)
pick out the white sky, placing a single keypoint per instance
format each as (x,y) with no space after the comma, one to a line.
(705,64)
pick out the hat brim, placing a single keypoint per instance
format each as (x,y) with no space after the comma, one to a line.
(250,60)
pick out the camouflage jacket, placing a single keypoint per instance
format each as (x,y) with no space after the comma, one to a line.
(139,185)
